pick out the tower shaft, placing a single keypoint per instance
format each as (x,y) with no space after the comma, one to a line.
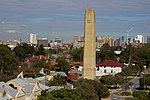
(89,60)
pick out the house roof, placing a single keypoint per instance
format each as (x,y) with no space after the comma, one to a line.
(73,77)
(59,73)
(28,88)
(12,92)
(111,63)
(76,63)
(30,80)
(56,88)
(43,87)
(19,82)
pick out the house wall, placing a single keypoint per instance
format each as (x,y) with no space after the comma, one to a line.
(100,70)
(34,95)
(107,70)
(20,98)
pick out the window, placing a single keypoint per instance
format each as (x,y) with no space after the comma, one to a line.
(11,85)
(104,71)
(97,68)
(76,66)
(111,71)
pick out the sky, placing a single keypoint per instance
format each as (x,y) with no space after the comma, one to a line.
(65,18)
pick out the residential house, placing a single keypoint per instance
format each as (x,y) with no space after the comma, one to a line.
(9,93)
(107,67)
(31,87)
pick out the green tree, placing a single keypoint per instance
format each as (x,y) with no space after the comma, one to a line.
(91,89)
(41,63)
(140,95)
(3,77)
(28,49)
(77,54)
(106,52)
(23,51)
(19,51)
(8,60)
(110,80)
(57,81)
(40,50)
(62,94)
(145,80)
(63,65)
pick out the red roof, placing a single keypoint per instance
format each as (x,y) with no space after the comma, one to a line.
(76,63)
(111,63)
(73,77)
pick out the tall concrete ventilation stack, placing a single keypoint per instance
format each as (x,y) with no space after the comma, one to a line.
(89,59)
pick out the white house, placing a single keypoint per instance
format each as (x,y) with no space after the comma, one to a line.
(107,67)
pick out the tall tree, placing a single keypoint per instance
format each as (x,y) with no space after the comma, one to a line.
(40,50)
(62,94)
(23,51)
(91,89)
(20,52)
(63,65)
(8,60)
(58,81)
(106,52)
(41,63)
(77,54)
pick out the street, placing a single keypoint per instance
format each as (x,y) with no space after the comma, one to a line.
(131,88)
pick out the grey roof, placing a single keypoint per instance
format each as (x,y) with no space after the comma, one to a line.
(28,88)
(3,84)
(1,89)
(11,91)
(30,80)
(56,88)
(59,73)
(43,87)
(20,82)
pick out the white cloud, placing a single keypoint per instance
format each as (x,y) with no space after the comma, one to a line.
(11,31)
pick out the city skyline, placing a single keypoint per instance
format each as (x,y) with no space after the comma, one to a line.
(64,18)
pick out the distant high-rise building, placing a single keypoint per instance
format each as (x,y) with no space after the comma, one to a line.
(102,40)
(119,42)
(138,39)
(78,41)
(148,39)
(32,39)
(43,41)
(89,58)
(58,42)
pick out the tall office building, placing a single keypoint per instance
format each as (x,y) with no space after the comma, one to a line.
(42,41)
(78,41)
(32,38)
(148,39)
(119,42)
(100,41)
(89,59)
(139,39)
